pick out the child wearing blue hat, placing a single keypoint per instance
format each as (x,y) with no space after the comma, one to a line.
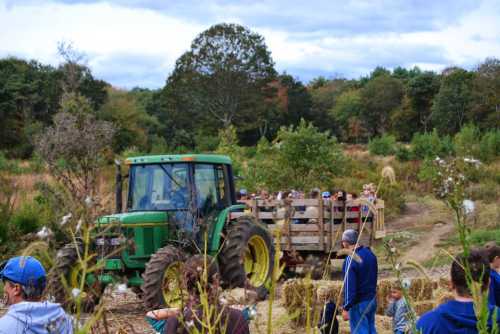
(24,281)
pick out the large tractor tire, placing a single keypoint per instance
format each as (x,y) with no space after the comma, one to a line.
(68,269)
(247,255)
(162,279)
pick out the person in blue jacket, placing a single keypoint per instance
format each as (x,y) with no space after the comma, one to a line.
(360,271)
(494,259)
(24,281)
(457,316)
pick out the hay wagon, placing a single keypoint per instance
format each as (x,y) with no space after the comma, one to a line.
(310,230)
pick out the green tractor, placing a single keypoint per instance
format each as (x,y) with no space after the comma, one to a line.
(176,206)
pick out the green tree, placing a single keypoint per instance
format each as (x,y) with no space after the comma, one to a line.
(380,97)
(224,78)
(306,156)
(29,96)
(296,100)
(421,91)
(347,112)
(76,77)
(131,122)
(324,98)
(485,111)
(453,102)
(404,120)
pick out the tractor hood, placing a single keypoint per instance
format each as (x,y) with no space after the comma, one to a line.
(135,218)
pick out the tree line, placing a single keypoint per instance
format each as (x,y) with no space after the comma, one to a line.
(228,79)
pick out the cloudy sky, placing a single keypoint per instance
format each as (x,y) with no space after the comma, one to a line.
(135,43)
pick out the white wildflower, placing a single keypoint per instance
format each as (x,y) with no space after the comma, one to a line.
(89,202)
(45,233)
(65,219)
(121,288)
(79,225)
(406,283)
(468,206)
(76,292)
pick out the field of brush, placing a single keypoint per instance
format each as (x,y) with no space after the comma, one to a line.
(420,227)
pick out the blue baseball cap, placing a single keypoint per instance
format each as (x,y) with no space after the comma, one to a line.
(24,270)
(243,192)
(325,194)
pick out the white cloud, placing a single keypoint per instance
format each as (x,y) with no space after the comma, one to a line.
(100,30)
(130,46)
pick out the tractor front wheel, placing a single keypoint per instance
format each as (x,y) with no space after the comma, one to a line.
(65,281)
(162,279)
(247,255)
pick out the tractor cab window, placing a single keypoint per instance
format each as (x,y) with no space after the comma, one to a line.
(211,187)
(159,187)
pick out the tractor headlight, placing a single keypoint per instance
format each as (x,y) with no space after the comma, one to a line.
(100,241)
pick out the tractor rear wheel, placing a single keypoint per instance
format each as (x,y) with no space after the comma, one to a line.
(247,255)
(68,269)
(162,279)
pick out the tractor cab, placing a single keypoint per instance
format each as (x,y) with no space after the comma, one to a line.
(180,183)
(191,189)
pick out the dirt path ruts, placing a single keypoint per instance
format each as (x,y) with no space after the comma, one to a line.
(428,241)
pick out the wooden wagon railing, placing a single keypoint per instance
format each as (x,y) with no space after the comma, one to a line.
(317,224)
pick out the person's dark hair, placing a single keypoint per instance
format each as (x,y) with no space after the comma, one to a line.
(343,198)
(479,268)
(315,193)
(492,252)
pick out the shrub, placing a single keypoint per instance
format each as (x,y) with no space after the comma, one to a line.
(467,142)
(489,147)
(426,145)
(403,153)
(385,145)
(394,197)
(447,148)
(26,219)
(427,171)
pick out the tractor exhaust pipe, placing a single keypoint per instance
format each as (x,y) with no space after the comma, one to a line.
(118,187)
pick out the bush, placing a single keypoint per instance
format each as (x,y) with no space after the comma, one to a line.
(385,145)
(426,145)
(403,153)
(394,197)
(26,219)
(489,147)
(447,148)
(467,142)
